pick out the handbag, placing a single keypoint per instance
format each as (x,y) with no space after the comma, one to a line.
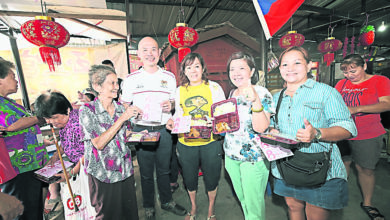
(7,172)
(303,169)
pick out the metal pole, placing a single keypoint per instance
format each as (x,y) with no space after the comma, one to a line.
(128,34)
(264,45)
(19,70)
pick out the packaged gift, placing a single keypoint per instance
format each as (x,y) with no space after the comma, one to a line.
(225,116)
(283,140)
(143,137)
(47,173)
(198,129)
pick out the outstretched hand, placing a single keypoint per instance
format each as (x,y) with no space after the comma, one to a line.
(166,106)
(306,134)
(131,111)
(169,124)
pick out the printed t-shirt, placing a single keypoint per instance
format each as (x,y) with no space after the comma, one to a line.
(196,101)
(142,88)
(366,93)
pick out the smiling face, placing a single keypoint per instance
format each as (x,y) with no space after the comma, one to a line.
(294,67)
(9,84)
(148,52)
(109,88)
(355,73)
(194,72)
(240,73)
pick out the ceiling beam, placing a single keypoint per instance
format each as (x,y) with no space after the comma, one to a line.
(192,12)
(207,13)
(69,15)
(92,26)
(178,4)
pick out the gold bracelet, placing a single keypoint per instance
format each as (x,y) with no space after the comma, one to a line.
(259,110)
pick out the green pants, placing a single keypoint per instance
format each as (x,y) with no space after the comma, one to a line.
(249,182)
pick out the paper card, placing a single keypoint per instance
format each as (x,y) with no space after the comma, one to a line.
(181,125)
(152,110)
(51,148)
(50,170)
(275,152)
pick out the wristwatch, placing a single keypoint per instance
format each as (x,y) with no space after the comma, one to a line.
(318,135)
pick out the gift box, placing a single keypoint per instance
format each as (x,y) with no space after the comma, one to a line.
(282,140)
(47,173)
(143,137)
(225,116)
(198,129)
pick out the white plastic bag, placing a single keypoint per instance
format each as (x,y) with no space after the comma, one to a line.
(80,190)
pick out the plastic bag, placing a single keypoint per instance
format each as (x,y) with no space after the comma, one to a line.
(80,190)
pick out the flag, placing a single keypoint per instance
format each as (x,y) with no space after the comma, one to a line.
(273,14)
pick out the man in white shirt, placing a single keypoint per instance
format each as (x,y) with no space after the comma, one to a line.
(152,89)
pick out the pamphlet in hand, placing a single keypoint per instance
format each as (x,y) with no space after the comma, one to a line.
(275,152)
(152,111)
(181,124)
(46,174)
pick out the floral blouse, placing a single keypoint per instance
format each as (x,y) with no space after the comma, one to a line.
(113,163)
(241,145)
(71,137)
(25,151)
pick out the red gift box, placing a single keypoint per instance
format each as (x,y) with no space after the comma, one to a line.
(225,121)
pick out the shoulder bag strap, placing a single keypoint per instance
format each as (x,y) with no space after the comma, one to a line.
(277,108)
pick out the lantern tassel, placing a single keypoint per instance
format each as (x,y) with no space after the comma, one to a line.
(51,56)
(182,52)
(328,58)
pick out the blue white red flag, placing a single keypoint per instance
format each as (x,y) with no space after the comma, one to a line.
(273,14)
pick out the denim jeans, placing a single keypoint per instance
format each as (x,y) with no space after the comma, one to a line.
(151,156)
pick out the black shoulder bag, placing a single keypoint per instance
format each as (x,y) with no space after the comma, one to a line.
(303,169)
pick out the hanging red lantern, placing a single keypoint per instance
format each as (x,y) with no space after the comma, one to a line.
(183,37)
(292,38)
(329,46)
(49,36)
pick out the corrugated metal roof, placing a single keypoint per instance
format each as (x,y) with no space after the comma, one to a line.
(312,19)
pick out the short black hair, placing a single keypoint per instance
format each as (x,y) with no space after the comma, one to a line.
(90,96)
(5,67)
(51,103)
(250,61)
(108,62)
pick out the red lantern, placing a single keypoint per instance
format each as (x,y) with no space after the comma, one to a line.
(182,37)
(292,38)
(48,35)
(329,46)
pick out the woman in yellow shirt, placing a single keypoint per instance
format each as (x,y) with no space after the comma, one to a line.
(194,97)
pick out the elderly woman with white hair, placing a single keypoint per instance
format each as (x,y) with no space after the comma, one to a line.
(107,159)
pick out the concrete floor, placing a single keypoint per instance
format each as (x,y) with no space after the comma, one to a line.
(228,208)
